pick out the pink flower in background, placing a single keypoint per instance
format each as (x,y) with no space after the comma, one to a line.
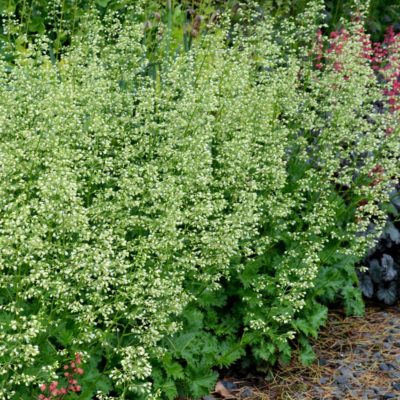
(55,393)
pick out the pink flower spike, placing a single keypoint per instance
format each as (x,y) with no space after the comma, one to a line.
(78,388)
(72,364)
(66,367)
(43,387)
(53,385)
(339,48)
(78,359)
(80,371)
(41,396)
(337,66)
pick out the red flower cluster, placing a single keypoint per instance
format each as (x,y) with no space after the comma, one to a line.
(54,391)
(319,50)
(337,42)
(384,58)
(377,173)
(386,61)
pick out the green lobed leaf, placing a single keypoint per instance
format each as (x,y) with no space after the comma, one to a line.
(200,379)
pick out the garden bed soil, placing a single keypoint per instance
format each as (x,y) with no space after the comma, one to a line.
(357,358)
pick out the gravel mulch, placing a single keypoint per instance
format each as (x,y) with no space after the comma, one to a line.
(358,358)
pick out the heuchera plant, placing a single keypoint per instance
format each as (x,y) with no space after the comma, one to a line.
(167,226)
(381,279)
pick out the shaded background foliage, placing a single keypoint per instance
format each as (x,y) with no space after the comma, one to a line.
(184,19)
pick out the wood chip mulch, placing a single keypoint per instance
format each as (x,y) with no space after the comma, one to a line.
(357,358)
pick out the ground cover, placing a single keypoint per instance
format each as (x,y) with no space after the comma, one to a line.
(357,358)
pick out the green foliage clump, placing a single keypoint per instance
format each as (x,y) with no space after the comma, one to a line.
(164,227)
(178,22)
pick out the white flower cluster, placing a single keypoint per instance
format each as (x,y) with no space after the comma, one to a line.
(135,367)
(120,194)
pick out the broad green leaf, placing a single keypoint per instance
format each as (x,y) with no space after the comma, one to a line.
(102,3)
(172,368)
(307,354)
(170,390)
(201,380)
(230,352)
